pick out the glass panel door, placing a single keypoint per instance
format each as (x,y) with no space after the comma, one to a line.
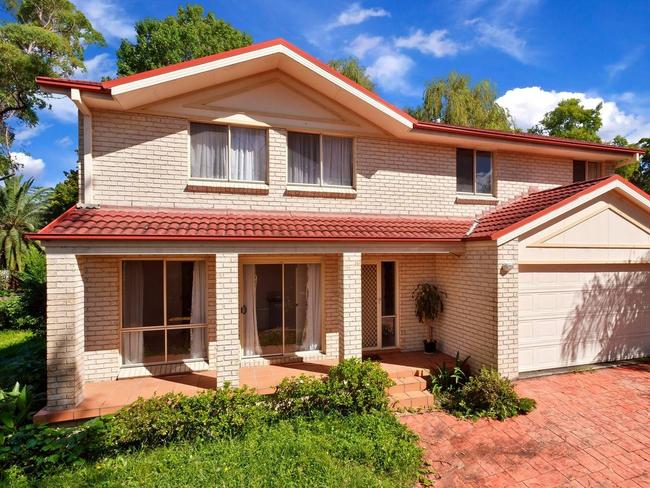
(388,305)
(268,307)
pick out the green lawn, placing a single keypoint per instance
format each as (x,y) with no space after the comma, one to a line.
(22,359)
(357,451)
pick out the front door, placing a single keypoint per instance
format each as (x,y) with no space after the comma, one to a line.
(379,305)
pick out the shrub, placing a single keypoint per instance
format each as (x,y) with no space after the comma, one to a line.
(355,386)
(38,448)
(175,417)
(301,396)
(15,409)
(447,379)
(490,395)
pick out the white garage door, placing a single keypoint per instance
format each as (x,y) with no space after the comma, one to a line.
(572,315)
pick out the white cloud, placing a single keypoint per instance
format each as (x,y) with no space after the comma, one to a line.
(627,61)
(362,44)
(25,134)
(505,39)
(28,166)
(528,105)
(390,71)
(436,43)
(62,110)
(65,141)
(97,67)
(355,14)
(108,18)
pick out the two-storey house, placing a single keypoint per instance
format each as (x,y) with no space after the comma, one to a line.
(256,206)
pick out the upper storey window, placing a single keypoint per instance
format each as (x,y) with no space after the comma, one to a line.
(474,171)
(316,159)
(585,170)
(222,152)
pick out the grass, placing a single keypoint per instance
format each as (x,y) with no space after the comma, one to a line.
(356,451)
(22,354)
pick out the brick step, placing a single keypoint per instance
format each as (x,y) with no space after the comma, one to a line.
(397,372)
(411,399)
(408,383)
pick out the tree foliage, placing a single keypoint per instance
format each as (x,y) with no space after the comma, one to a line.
(39,38)
(351,68)
(641,175)
(572,120)
(64,196)
(454,100)
(21,211)
(188,35)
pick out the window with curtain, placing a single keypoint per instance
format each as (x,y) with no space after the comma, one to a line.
(164,311)
(474,171)
(221,152)
(316,159)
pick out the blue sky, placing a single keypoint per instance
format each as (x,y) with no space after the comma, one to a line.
(536,52)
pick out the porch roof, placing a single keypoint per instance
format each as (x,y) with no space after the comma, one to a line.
(202,225)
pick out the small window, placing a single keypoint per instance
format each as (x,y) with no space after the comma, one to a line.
(221,152)
(473,171)
(585,170)
(316,159)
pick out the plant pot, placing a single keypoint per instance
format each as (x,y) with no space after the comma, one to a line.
(429,347)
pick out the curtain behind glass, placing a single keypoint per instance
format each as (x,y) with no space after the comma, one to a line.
(251,338)
(133,311)
(304,158)
(337,161)
(209,151)
(247,154)
(311,338)
(197,336)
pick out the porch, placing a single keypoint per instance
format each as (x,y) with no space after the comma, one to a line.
(407,369)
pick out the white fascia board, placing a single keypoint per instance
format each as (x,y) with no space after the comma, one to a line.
(250,56)
(614,185)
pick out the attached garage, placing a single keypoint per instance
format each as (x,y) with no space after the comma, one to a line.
(584,279)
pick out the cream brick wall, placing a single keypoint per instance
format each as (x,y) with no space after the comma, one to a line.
(142,160)
(65,330)
(227,307)
(508,311)
(350,289)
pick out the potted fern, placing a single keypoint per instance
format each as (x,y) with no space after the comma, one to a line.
(428,305)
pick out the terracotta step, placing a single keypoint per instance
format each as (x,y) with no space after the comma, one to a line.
(408,383)
(411,399)
(396,371)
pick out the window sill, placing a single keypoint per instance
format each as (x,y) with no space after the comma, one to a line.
(473,199)
(178,367)
(249,188)
(320,191)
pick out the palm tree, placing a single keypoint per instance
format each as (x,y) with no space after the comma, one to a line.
(21,211)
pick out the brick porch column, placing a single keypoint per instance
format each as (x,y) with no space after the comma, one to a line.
(508,310)
(65,331)
(227,304)
(350,323)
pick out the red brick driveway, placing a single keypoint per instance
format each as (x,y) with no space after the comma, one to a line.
(589,429)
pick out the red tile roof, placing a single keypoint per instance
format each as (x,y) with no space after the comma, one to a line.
(528,206)
(171,224)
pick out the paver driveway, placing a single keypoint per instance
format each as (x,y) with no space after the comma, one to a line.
(589,429)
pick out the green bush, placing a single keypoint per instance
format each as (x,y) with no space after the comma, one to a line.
(450,379)
(301,396)
(39,448)
(355,386)
(489,394)
(175,417)
(15,410)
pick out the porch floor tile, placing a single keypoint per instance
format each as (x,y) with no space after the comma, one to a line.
(106,397)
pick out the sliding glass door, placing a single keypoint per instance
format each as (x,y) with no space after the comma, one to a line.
(379,305)
(281,308)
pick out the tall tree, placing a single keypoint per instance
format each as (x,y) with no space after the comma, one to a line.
(641,175)
(188,35)
(39,38)
(572,120)
(351,68)
(64,196)
(454,100)
(21,211)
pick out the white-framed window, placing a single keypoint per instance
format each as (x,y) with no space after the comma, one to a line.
(163,310)
(318,159)
(474,171)
(228,153)
(585,170)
